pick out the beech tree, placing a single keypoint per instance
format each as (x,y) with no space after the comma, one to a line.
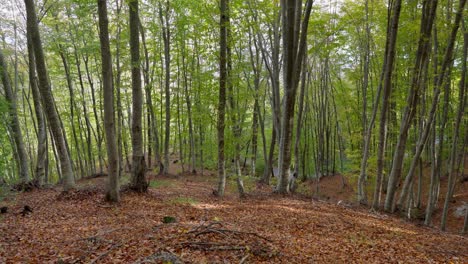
(50,110)
(15,125)
(139,182)
(294,41)
(223,24)
(109,126)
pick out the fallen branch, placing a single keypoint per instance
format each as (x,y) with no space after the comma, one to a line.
(213,246)
(205,229)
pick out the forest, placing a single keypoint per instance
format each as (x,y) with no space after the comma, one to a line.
(233,131)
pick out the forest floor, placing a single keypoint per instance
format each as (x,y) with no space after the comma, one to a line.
(79,227)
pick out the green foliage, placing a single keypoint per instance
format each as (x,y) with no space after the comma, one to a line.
(169,219)
(160,183)
(336,47)
(7,164)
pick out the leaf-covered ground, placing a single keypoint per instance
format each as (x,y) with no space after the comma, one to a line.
(80,228)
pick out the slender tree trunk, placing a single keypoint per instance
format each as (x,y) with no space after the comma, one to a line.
(98,135)
(256,63)
(41,125)
(362,196)
(234,111)
(48,101)
(188,103)
(119,126)
(139,183)
(223,23)
(386,84)
(10,96)
(422,59)
(299,123)
(432,185)
(454,151)
(112,194)
(294,41)
(72,105)
(401,143)
(153,134)
(167,93)
(272,64)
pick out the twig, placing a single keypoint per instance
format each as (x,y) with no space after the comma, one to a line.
(205,227)
(210,231)
(242,261)
(103,255)
(213,246)
(246,233)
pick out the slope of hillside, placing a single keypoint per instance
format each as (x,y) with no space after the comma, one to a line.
(80,228)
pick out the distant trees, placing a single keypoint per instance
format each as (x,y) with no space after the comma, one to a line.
(22,158)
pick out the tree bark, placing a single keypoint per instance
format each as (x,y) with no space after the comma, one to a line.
(422,58)
(223,22)
(401,143)
(40,169)
(294,41)
(48,101)
(454,150)
(113,171)
(167,93)
(139,183)
(387,85)
(21,155)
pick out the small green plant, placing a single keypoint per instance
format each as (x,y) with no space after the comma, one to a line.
(160,183)
(169,219)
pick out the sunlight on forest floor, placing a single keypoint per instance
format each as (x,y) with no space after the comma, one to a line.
(266,228)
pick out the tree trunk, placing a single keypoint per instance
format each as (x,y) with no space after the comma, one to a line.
(41,125)
(458,121)
(188,103)
(422,59)
(48,101)
(401,143)
(72,105)
(153,133)
(234,111)
(98,135)
(167,93)
(386,82)
(294,41)
(10,96)
(139,183)
(223,22)
(299,122)
(112,194)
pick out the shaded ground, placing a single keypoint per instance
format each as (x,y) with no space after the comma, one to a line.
(331,189)
(81,228)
